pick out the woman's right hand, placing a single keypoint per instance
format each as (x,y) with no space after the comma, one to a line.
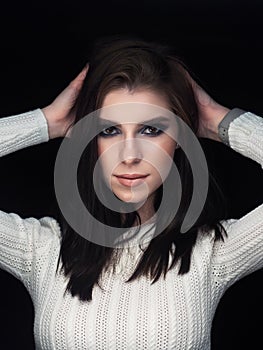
(60,114)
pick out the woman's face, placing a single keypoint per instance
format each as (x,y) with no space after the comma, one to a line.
(133,153)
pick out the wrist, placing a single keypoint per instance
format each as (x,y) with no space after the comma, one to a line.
(225,123)
(54,128)
(217,113)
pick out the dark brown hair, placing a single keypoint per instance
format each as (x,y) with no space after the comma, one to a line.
(133,63)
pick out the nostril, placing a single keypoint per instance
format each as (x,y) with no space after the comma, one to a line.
(133,160)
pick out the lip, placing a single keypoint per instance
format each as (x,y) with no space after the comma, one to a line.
(132,176)
(131,179)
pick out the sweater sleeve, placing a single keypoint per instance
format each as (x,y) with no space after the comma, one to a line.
(22,239)
(22,130)
(241,252)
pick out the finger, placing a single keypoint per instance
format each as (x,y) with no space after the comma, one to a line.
(190,79)
(84,71)
(203,98)
(78,81)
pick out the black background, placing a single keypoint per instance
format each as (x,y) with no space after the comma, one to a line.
(45,44)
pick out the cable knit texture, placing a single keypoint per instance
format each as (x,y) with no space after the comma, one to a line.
(174,313)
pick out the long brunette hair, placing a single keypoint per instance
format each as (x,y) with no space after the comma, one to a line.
(132,63)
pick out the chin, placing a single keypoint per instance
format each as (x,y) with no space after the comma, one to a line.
(131,198)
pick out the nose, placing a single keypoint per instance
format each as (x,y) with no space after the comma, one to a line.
(130,152)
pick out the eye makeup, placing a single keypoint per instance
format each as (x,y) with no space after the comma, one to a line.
(153,127)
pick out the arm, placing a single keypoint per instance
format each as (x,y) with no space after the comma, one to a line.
(20,239)
(22,130)
(241,252)
(240,130)
(24,242)
(31,128)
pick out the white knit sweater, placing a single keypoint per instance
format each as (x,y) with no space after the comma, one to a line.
(175,313)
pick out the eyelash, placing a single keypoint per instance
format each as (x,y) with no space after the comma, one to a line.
(159,131)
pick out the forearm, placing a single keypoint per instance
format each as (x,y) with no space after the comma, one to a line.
(246,136)
(240,130)
(22,130)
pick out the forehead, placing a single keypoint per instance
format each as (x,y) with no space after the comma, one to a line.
(124,106)
(139,95)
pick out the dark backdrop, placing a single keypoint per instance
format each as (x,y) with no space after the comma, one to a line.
(45,44)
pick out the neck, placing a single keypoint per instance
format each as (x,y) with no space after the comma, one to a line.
(146,211)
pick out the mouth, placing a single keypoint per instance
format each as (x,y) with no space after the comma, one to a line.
(131,179)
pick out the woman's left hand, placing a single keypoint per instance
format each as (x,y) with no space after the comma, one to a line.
(210,113)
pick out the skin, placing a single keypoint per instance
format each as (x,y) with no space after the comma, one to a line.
(123,150)
(59,114)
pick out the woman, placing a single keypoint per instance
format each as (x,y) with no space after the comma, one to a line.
(79,287)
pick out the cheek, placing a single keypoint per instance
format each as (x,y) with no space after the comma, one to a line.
(106,168)
(169,147)
(166,152)
(101,147)
(107,161)
(163,160)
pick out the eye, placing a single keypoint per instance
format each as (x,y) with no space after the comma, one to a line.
(152,130)
(110,131)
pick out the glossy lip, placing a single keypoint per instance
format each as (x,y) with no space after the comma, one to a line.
(131,179)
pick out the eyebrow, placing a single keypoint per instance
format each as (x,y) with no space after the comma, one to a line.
(146,122)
